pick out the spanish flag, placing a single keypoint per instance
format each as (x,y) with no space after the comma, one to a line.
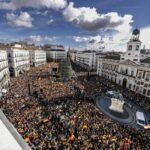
(27,139)
(45,120)
(72,137)
(84,126)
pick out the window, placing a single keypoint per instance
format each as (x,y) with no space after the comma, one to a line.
(130,85)
(129,53)
(130,47)
(135,59)
(120,82)
(146,85)
(137,88)
(137,47)
(132,73)
(147,77)
(126,71)
(148,93)
(144,92)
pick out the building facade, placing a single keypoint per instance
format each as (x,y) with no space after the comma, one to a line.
(131,69)
(86,59)
(4,70)
(18,59)
(37,57)
(56,53)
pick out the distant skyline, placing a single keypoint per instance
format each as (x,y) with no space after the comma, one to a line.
(75,23)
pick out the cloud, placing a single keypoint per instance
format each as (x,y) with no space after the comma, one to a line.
(35,38)
(89,19)
(86,39)
(144,36)
(22,20)
(39,12)
(50,21)
(15,4)
(89,42)
(38,39)
(47,38)
(116,41)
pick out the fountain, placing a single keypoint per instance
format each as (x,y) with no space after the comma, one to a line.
(113,105)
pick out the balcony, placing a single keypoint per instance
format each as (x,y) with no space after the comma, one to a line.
(2,60)
(125,74)
(3,80)
(1,69)
(139,77)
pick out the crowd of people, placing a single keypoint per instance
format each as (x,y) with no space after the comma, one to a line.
(55,115)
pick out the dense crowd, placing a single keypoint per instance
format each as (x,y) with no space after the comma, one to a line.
(136,98)
(54,115)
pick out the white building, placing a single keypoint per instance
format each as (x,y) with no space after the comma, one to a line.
(72,55)
(131,69)
(86,59)
(37,57)
(56,53)
(108,66)
(19,60)
(4,70)
(133,48)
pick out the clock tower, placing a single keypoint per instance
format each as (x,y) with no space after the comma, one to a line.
(133,47)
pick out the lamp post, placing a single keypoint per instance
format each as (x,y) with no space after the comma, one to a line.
(29,90)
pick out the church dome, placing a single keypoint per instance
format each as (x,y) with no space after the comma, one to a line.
(136,31)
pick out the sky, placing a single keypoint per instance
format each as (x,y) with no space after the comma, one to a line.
(80,24)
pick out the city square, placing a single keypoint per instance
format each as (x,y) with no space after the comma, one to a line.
(59,116)
(74,75)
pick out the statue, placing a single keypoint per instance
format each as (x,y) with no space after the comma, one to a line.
(117,102)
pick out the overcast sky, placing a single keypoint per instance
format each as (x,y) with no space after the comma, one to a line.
(75,23)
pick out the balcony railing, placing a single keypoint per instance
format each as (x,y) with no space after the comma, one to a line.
(124,73)
(5,77)
(139,77)
(1,69)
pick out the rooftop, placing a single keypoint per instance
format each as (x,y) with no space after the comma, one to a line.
(10,139)
(112,57)
(147,60)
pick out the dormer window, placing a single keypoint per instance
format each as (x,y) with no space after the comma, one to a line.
(130,47)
